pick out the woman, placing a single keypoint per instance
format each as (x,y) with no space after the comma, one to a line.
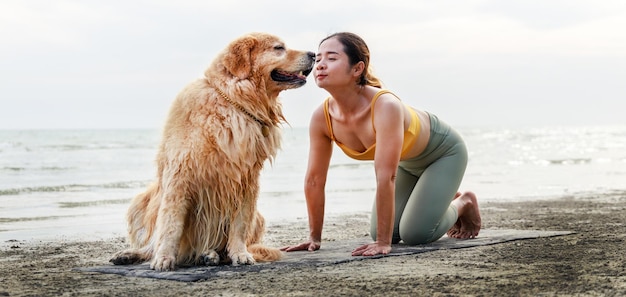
(419,161)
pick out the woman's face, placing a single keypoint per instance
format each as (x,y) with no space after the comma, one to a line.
(332,65)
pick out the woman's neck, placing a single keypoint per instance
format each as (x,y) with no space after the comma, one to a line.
(349,99)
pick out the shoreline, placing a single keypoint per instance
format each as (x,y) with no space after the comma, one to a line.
(590,262)
(94,223)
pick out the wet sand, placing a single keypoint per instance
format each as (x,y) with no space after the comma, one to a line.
(591,262)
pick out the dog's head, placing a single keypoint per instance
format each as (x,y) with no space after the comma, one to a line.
(264,59)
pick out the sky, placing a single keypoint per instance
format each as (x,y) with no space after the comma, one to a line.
(114,64)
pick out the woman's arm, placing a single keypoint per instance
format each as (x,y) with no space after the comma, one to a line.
(389,125)
(320,152)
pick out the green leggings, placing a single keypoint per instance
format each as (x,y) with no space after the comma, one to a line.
(425,187)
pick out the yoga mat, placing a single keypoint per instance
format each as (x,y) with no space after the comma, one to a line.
(332,252)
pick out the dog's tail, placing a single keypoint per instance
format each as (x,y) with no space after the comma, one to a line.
(263,253)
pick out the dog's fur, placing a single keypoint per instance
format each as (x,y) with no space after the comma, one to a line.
(202,206)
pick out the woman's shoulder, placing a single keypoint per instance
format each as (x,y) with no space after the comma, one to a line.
(385,95)
(375,92)
(318,125)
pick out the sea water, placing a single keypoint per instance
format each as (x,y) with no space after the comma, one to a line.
(78,183)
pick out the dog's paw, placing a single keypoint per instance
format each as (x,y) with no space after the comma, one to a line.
(243,258)
(126,258)
(163,263)
(210,258)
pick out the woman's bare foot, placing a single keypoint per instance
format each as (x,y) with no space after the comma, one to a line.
(457,225)
(468,224)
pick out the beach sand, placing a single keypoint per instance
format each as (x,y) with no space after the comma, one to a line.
(591,262)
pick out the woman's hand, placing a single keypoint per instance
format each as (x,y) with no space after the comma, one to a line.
(309,246)
(372,249)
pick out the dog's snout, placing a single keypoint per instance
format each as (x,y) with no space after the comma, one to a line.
(311,55)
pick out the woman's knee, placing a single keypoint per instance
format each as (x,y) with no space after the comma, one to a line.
(414,237)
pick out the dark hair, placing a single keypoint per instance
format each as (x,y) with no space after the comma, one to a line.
(356,50)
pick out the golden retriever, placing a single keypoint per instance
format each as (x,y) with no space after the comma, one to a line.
(221,129)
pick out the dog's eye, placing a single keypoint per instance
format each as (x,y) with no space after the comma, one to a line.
(279,48)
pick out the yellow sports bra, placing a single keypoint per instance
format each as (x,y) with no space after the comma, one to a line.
(410,135)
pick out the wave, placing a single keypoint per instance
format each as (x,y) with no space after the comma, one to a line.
(72,140)
(73,188)
(45,168)
(93,203)
(557,162)
(29,219)
(98,147)
(352,190)
(8,168)
(278,194)
(352,165)
(570,161)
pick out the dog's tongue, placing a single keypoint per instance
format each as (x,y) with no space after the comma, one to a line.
(286,76)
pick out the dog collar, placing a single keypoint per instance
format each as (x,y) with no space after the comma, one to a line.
(265,129)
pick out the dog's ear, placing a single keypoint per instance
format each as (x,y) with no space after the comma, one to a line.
(238,57)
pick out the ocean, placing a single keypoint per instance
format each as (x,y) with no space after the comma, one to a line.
(77,184)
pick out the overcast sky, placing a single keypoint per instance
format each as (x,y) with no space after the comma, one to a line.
(119,64)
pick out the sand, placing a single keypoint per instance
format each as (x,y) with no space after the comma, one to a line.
(591,262)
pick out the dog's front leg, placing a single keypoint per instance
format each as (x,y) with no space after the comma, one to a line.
(236,246)
(170,224)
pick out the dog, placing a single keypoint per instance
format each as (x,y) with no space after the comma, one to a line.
(221,129)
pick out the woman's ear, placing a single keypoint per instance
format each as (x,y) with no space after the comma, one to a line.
(358,70)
